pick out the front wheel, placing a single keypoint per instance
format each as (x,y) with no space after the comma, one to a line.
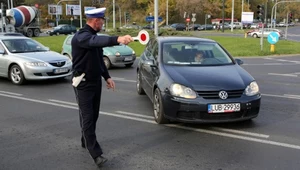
(36,32)
(255,35)
(139,87)
(16,75)
(158,108)
(107,62)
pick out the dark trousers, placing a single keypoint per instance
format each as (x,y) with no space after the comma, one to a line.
(88,95)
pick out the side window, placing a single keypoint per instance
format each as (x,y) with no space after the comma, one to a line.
(155,50)
(1,47)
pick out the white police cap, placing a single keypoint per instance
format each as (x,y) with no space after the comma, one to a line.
(95,13)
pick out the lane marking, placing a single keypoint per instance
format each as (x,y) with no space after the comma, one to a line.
(123,79)
(286,145)
(11,93)
(63,102)
(242,132)
(137,115)
(286,75)
(282,96)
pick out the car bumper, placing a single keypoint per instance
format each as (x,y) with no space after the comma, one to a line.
(43,73)
(196,110)
(128,59)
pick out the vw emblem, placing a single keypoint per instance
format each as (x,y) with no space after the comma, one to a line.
(223,95)
(59,63)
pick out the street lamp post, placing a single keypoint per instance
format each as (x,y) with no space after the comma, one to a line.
(167,13)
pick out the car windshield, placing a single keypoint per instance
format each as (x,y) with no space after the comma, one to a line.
(23,46)
(194,54)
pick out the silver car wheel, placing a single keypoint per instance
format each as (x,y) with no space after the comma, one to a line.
(16,75)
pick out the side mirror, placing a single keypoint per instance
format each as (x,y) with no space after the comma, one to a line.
(47,48)
(239,61)
(149,62)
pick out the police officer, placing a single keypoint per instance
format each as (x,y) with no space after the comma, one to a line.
(88,70)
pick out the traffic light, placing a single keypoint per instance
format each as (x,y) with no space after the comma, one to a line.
(127,15)
(290,17)
(260,13)
(4,11)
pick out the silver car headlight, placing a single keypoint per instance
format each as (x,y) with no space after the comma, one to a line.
(133,52)
(69,61)
(182,91)
(37,64)
(117,54)
(252,89)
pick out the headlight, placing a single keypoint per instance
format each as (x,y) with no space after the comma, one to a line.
(252,89)
(182,91)
(69,61)
(133,52)
(117,54)
(37,64)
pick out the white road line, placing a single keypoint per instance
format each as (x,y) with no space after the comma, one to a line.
(281,96)
(63,102)
(286,145)
(292,95)
(123,79)
(272,64)
(134,114)
(286,75)
(242,132)
(11,93)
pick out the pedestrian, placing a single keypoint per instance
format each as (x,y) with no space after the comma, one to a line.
(88,70)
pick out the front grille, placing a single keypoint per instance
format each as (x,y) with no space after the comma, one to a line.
(52,74)
(215,94)
(58,63)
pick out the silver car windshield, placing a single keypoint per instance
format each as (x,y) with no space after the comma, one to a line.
(194,53)
(23,46)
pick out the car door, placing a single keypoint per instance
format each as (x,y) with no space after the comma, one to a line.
(151,69)
(3,62)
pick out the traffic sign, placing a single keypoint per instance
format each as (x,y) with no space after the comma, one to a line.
(193,19)
(143,37)
(273,38)
(151,18)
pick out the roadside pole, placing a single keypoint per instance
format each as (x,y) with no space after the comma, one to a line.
(287,25)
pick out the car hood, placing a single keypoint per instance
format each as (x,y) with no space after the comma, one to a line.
(205,78)
(122,49)
(41,56)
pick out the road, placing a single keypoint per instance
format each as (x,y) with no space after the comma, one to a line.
(293,33)
(39,127)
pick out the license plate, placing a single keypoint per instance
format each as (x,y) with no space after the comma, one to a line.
(128,59)
(60,70)
(224,108)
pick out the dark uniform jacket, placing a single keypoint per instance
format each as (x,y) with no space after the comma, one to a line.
(87,53)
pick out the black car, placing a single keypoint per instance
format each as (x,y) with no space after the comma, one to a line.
(63,29)
(179,26)
(213,89)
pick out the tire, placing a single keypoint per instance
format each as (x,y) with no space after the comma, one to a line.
(36,32)
(107,62)
(255,36)
(16,75)
(57,33)
(29,33)
(139,87)
(128,65)
(158,109)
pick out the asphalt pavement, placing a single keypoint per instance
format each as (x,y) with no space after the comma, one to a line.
(39,127)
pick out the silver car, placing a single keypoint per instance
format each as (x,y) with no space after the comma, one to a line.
(22,58)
